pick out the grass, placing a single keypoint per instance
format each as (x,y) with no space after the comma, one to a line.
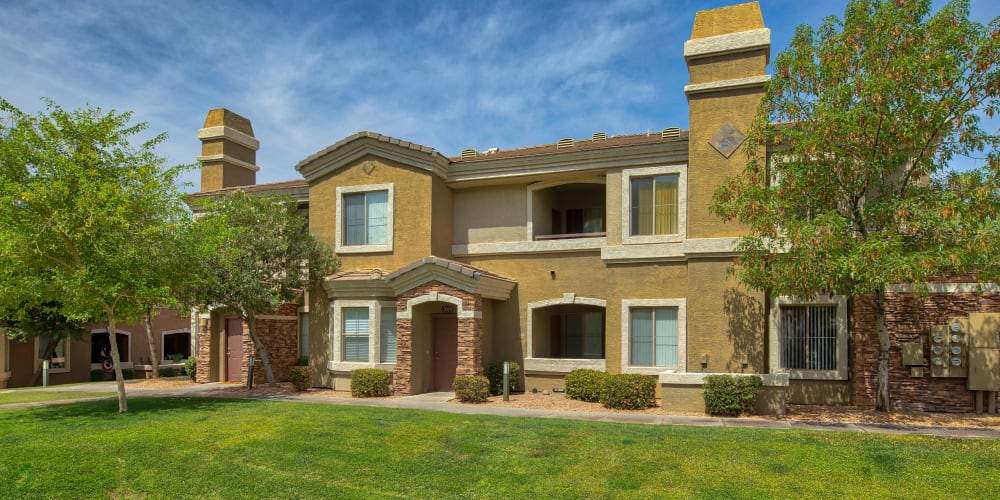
(12,397)
(195,447)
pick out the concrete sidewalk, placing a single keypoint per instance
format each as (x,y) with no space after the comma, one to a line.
(440,401)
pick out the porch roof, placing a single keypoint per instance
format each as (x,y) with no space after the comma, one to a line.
(469,278)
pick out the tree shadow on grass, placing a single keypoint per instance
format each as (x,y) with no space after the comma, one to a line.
(137,406)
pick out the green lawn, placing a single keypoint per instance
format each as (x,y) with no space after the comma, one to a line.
(11,397)
(193,447)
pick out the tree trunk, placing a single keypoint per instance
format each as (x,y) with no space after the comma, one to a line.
(49,350)
(259,347)
(116,360)
(153,356)
(882,401)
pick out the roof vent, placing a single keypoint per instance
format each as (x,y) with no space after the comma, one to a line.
(468,153)
(599,136)
(671,132)
(491,151)
(566,142)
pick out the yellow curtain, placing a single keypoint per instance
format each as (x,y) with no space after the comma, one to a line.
(666,204)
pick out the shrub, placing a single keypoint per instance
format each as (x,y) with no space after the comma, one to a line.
(471,388)
(128,374)
(731,394)
(191,368)
(494,373)
(302,377)
(303,361)
(370,383)
(628,391)
(168,371)
(98,375)
(585,385)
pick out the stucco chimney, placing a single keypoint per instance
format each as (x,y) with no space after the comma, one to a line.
(228,151)
(727,59)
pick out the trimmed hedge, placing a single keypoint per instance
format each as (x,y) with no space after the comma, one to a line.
(471,388)
(731,394)
(370,383)
(128,373)
(494,373)
(167,371)
(191,368)
(301,377)
(629,391)
(585,385)
(98,375)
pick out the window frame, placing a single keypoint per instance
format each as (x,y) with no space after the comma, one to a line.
(163,343)
(67,349)
(626,329)
(375,307)
(626,201)
(340,245)
(774,340)
(125,364)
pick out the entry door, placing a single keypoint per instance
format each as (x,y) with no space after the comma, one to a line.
(234,350)
(445,349)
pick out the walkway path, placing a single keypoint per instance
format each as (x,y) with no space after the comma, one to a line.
(440,401)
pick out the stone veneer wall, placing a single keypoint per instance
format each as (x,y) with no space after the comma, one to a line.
(204,351)
(281,339)
(909,318)
(470,335)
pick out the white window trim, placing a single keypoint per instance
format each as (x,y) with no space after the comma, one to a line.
(337,362)
(774,340)
(531,363)
(626,326)
(163,343)
(125,364)
(67,347)
(339,245)
(626,194)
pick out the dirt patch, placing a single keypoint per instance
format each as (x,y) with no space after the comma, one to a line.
(161,384)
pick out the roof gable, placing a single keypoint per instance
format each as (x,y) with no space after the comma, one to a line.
(352,148)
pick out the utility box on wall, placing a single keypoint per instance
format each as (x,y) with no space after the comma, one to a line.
(949,349)
(984,352)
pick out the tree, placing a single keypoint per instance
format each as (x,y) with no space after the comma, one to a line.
(847,187)
(252,250)
(82,212)
(41,321)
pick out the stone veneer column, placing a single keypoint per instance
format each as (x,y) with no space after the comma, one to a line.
(203,365)
(470,346)
(402,375)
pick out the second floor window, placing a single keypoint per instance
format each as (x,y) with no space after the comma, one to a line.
(366,219)
(654,203)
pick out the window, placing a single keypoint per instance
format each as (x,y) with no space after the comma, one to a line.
(59,357)
(584,335)
(355,333)
(809,338)
(364,218)
(100,347)
(653,204)
(304,334)
(388,337)
(654,335)
(176,342)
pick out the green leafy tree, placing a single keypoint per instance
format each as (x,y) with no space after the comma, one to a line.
(84,216)
(847,188)
(42,321)
(256,254)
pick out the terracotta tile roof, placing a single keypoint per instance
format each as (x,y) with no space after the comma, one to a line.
(459,267)
(373,135)
(578,145)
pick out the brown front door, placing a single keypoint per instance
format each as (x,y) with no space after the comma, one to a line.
(234,350)
(445,349)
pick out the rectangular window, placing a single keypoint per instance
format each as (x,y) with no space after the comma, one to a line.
(388,337)
(176,343)
(304,334)
(809,337)
(653,336)
(585,335)
(654,203)
(366,218)
(100,347)
(57,359)
(355,333)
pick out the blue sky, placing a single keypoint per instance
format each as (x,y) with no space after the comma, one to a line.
(445,74)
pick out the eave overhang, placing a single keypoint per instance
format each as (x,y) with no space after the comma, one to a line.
(357,146)
(462,276)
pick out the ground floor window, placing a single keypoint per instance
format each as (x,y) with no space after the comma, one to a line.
(387,328)
(808,338)
(583,334)
(100,347)
(55,351)
(176,343)
(653,336)
(355,333)
(304,334)
(364,331)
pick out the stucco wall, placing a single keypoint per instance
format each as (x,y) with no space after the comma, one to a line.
(490,214)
